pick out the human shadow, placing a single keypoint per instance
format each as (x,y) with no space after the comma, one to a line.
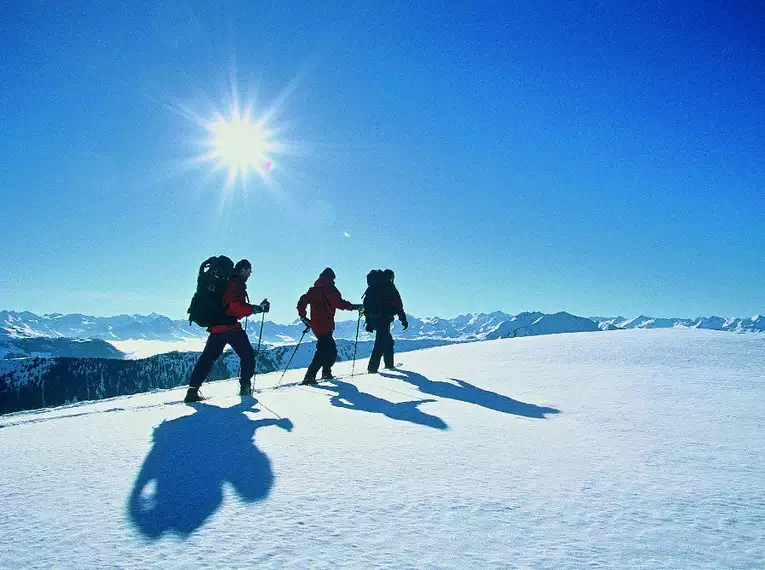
(180,484)
(349,397)
(467,392)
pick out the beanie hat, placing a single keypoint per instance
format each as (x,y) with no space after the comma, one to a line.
(328,273)
(242,264)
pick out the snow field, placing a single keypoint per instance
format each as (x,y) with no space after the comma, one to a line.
(636,450)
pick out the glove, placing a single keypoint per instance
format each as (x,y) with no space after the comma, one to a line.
(369,327)
(306,321)
(404,323)
(265,306)
(358,307)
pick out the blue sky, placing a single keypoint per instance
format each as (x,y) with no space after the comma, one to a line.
(597,158)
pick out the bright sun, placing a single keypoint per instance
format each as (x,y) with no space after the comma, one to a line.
(239,144)
(241,141)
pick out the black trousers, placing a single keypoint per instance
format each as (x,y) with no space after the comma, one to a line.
(238,340)
(324,358)
(383,347)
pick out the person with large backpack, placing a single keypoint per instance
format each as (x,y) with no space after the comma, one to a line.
(324,299)
(220,301)
(382,302)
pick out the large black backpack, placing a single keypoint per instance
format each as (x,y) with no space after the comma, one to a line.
(206,308)
(373,296)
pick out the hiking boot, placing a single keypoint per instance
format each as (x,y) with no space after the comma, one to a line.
(245,389)
(193,395)
(309,382)
(371,371)
(327,376)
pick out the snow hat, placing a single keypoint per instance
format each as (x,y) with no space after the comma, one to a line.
(242,264)
(328,273)
(389,275)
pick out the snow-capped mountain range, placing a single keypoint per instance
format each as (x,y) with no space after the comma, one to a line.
(469,327)
(121,327)
(734,324)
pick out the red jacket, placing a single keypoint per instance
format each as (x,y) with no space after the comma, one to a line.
(235,304)
(324,299)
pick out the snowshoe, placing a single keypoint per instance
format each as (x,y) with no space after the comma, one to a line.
(193,395)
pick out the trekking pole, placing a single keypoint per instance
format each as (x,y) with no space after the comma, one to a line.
(293,356)
(240,361)
(353,368)
(257,352)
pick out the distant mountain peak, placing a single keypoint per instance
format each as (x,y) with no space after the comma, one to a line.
(465,327)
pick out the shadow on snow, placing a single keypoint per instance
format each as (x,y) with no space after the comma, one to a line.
(349,397)
(466,392)
(180,484)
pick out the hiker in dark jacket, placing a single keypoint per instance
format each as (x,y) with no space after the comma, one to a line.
(324,299)
(382,302)
(236,305)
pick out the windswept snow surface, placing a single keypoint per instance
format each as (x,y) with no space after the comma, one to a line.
(634,450)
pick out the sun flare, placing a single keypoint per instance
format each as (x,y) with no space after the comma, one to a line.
(240,138)
(239,144)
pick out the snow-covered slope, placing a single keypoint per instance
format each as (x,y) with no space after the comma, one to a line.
(558,323)
(635,322)
(756,323)
(635,450)
(510,327)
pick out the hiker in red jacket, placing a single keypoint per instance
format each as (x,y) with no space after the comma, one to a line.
(235,305)
(324,299)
